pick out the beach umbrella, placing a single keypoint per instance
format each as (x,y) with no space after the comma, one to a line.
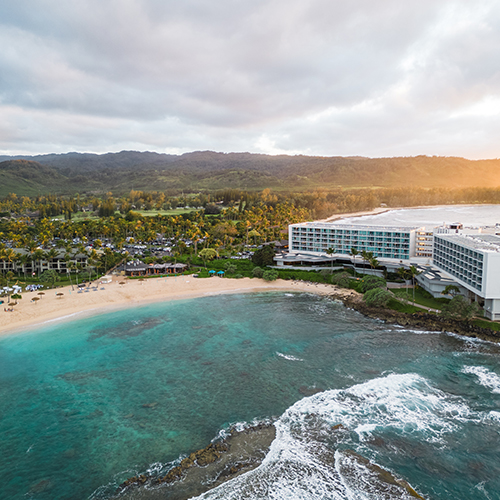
(220,273)
(41,293)
(121,283)
(12,304)
(35,299)
(211,271)
(60,294)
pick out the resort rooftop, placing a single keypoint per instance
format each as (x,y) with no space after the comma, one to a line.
(484,242)
(361,227)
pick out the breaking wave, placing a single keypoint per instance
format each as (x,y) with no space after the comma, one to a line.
(323,444)
(486,378)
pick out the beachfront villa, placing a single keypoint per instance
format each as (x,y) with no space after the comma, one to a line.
(139,268)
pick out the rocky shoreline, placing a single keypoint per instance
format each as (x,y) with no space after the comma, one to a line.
(420,321)
(204,469)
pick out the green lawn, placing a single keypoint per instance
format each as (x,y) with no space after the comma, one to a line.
(173,211)
(483,323)
(421,297)
(404,308)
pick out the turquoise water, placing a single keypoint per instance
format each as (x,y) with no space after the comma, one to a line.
(86,404)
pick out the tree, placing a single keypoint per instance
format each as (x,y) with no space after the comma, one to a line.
(325,273)
(330,251)
(49,276)
(254,234)
(264,256)
(413,273)
(459,308)
(370,258)
(39,255)
(270,275)
(370,282)
(377,297)
(354,253)
(208,254)
(452,290)
(373,261)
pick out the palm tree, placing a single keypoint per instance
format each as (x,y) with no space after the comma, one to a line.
(39,255)
(23,261)
(413,272)
(373,261)
(370,258)
(403,274)
(51,255)
(330,251)
(354,253)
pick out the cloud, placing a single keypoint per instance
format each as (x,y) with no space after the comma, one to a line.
(321,77)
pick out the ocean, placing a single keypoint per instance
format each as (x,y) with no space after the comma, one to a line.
(468,215)
(86,404)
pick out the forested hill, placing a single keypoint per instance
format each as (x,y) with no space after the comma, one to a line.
(206,170)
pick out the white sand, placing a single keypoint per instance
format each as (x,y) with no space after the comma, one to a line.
(72,305)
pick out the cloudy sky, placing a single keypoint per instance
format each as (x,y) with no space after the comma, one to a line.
(319,77)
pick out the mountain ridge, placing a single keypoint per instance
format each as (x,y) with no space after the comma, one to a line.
(208,170)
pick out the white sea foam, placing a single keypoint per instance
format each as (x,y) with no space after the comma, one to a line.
(486,378)
(288,356)
(302,463)
(495,416)
(240,427)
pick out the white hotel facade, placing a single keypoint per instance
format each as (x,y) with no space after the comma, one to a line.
(314,238)
(471,261)
(474,263)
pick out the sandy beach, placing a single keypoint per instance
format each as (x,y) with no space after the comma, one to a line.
(112,296)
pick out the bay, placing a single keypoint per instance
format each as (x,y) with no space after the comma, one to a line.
(86,404)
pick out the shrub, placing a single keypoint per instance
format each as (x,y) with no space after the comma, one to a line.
(230,267)
(270,275)
(238,276)
(342,279)
(257,272)
(325,273)
(371,282)
(377,297)
(459,308)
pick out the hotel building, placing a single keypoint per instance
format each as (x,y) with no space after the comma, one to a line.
(384,242)
(474,262)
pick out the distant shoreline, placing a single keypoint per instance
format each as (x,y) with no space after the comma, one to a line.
(382,210)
